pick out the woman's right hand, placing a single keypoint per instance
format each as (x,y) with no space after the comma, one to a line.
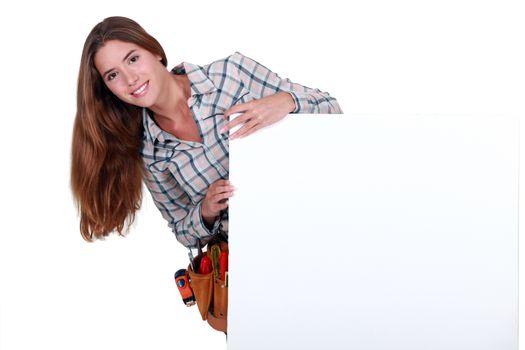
(216,199)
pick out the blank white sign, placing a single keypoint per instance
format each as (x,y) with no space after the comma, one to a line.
(375,233)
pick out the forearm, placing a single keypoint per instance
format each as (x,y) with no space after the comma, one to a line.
(263,82)
(288,101)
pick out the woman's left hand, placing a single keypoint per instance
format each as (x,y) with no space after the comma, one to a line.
(258,114)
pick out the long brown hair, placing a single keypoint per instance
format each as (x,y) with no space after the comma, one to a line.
(106,166)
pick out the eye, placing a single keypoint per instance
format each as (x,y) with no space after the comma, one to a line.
(111,76)
(134,59)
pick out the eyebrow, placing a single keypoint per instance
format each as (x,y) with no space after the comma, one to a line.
(125,58)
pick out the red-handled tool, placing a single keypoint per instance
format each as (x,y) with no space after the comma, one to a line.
(223,264)
(205,265)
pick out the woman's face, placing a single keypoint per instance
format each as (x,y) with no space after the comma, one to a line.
(132,73)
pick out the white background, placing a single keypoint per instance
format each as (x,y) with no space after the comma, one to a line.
(420,57)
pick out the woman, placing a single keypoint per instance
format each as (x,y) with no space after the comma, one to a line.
(137,121)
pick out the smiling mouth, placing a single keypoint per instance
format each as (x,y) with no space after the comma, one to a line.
(141,91)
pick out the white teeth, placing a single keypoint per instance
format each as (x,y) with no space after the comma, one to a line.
(139,90)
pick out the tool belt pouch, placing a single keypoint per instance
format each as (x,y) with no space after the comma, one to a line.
(220,299)
(211,295)
(202,286)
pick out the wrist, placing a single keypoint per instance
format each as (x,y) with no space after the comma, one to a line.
(290,102)
(208,220)
(208,217)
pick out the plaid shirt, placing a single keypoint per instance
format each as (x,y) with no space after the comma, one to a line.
(178,172)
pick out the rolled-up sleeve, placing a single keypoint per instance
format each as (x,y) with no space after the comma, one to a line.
(261,82)
(184,218)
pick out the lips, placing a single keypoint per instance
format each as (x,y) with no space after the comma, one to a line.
(141,90)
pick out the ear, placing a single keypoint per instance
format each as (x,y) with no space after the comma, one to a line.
(158,57)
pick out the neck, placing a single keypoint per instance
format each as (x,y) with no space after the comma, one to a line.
(174,97)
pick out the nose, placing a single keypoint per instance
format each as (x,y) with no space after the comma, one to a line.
(131,77)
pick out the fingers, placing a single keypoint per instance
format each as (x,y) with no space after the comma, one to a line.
(239,120)
(238,108)
(216,198)
(222,193)
(220,186)
(219,202)
(257,114)
(248,128)
(251,131)
(222,198)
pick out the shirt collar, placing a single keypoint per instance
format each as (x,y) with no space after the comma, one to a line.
(151,129)
(200,84)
